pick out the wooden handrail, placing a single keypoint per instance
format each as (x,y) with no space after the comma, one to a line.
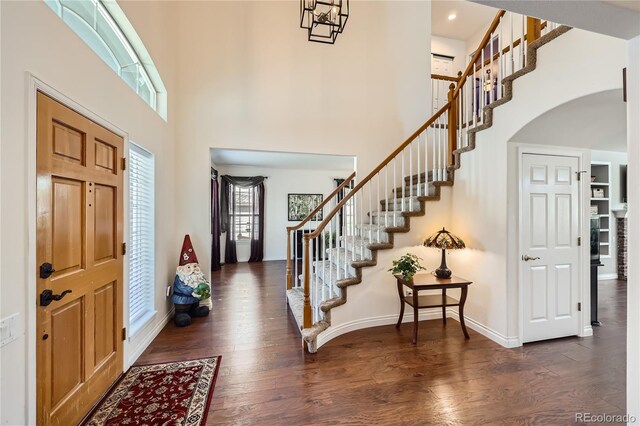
(476,55)
(443,77)
(323,203)
(375,171)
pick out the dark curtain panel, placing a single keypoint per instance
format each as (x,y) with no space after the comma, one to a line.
(215,221)
(227,219)
(257,232)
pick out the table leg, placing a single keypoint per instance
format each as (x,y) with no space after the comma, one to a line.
(415,316)
(401,304)
(463,298)
(444,308)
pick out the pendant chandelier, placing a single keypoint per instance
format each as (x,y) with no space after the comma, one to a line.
(323,19)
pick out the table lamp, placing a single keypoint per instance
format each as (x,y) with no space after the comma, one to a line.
(444,240)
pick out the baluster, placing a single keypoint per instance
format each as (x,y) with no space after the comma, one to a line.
(386,195)
(403,183)
(426,164)
(395,191)
(306,312)
(370,213)
(474,102)
(359,193)
(500,70)
(418,165)
(352,222)
(378,205)
(345,235)
(491,95)
(483,102)
(511,41)
(324,255)
(523,43)
(411,176)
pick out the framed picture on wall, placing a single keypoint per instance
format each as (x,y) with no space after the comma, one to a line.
(300,205)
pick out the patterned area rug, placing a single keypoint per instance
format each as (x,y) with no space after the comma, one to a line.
(171,394)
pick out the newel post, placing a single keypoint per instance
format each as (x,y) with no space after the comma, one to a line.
(534,28)
(453,120)
(307,291)
(289,270)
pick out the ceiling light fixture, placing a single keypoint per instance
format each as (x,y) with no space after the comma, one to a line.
(452,16)
(323,19)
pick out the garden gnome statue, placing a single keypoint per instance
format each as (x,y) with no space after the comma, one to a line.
(191,290)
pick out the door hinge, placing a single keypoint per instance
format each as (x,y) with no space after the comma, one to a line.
(579,306)
(124,248)
(124,333)
(580,174)
(124,163)
(579,241)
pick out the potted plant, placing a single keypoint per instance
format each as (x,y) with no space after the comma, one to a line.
(407,266)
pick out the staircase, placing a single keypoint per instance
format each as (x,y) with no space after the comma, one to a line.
(344,234)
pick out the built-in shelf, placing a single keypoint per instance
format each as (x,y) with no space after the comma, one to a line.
(602,180)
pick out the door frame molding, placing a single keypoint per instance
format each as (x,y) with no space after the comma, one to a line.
(584,294)
(33,86)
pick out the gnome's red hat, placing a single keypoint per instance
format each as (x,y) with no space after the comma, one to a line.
(188,254)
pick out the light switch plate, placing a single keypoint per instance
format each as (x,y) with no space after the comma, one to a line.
(9,329)
(168,290)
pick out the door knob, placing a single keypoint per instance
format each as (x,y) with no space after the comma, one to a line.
(46,269)
(47,296)
(527,258)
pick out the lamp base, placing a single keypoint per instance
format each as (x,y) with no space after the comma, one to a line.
(443,273)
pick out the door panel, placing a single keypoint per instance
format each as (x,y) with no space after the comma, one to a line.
(550,216)
(79,227)
(67,226)
(67,341)
(104,223)
(104,301)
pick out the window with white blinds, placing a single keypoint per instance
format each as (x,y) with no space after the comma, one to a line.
(141,234)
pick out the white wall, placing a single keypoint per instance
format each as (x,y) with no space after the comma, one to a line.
(451,47)
(280,182)
(253,81)
(633,272)
(610,268)
(34,39)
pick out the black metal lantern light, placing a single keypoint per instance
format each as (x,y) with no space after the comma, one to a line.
(323,19)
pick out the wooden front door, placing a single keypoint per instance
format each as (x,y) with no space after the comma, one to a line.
(79,233)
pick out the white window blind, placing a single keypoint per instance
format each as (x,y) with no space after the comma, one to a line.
(141,233)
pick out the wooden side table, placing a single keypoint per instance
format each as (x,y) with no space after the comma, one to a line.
(427,281)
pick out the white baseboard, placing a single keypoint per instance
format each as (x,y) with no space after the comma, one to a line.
(148,338)
(338,330)
(425,314)
(607,276)
(587,331)
(502,340)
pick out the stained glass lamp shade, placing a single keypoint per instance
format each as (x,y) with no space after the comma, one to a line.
(444,240)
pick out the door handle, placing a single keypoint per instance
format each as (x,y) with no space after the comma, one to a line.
(46,269)
(47,296)
(527,258)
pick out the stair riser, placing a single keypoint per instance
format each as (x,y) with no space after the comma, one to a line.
(363,231)
(361,252)
(380,219)
(413,190)
(409,205)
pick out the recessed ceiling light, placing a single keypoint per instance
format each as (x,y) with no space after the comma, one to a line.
(452,16)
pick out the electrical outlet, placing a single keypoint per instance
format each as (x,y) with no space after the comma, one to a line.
(168,290)
(9,329)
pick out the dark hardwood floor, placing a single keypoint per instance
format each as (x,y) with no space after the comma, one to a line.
(376,376)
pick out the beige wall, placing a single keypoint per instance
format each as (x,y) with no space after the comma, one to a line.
(35,40)
(249,78)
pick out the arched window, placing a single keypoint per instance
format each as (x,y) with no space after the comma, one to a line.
(106,29)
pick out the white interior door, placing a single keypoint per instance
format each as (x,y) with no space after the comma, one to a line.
(549,241)
(442,65)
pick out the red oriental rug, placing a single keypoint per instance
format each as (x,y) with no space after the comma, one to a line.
(174,393)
